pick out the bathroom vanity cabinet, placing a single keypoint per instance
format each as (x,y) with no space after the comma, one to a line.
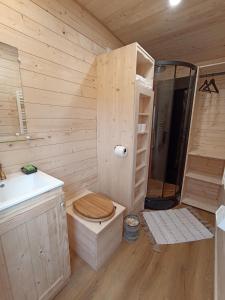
(34,253)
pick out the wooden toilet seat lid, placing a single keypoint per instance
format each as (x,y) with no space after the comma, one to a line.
(94,207)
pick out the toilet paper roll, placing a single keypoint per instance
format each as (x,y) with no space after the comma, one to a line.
(120,151)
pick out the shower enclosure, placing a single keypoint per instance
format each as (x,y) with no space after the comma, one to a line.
(174,89)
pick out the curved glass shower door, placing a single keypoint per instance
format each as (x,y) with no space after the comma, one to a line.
(174,87)
(164,92)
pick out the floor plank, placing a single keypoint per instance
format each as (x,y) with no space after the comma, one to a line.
(137,272)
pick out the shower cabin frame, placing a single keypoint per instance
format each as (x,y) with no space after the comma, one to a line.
(189,98)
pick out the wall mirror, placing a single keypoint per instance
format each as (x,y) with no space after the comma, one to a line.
(12,111)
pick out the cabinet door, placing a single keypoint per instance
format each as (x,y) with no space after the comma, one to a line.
(36,252)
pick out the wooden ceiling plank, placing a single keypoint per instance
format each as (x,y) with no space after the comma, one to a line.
(193,30)
(160,27)
(104,10)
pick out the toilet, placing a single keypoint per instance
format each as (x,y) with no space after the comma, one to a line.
(94,207)
(95,226)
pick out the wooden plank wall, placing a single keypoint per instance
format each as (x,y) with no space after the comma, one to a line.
(208,134)
(58,42)
(116,106)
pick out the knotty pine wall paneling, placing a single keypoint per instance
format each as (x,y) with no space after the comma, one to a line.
(57,42)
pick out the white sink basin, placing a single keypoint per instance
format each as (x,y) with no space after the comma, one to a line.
(19,187)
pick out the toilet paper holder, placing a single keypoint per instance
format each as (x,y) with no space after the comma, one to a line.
(120,151)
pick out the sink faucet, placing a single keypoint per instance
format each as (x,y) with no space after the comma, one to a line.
(2,173)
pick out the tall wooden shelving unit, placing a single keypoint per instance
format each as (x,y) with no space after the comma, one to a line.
(123,102)
(144,106)
(205,162)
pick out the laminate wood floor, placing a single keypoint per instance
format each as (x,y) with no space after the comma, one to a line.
(137,272)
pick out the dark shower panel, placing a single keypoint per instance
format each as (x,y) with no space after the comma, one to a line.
(173,106)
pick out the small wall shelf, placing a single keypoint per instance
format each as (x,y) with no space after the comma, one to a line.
(199,202)
(207,154)
(145,132)
(144,64)
(203,182)
(12,139)
(142,166)
(141,150)
(139,197)
(144,114)
(144,104)
(205,177)
(139,182)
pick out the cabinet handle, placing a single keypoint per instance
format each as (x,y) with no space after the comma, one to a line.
(62,204)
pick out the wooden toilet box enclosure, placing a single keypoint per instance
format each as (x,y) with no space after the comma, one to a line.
(95,240)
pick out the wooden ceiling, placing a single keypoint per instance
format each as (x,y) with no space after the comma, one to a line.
(193,31)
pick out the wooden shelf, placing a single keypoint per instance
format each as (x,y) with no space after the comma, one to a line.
(144,64)
(139,182)
(203,177)
(140,167)
(145,132)
(144,114)
(199,202)
(139,197)
(205,159)
(18,139)
(139,151)
(208,155)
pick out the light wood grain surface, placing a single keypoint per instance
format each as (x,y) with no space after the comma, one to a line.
(192,31)
(136,272)
(206,159)
(94,206)
(57,42)
(122,103)
(34,250)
